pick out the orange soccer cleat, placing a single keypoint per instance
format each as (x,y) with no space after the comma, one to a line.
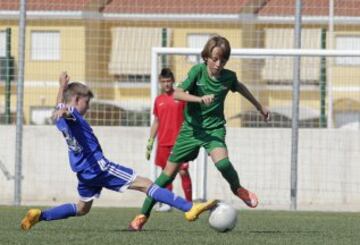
(137,223)
(249,198)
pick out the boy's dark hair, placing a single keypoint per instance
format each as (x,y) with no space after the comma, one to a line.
(77,89)
(213,42)
(166,73)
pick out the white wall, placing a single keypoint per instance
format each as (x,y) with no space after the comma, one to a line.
(329,167)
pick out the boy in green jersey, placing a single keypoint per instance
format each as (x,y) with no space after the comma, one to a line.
(205,90)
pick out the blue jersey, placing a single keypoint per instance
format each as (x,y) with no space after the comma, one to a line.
(84,147)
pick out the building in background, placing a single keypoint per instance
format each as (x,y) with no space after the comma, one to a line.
(107,44)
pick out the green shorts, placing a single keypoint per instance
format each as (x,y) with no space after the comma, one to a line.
(190,140)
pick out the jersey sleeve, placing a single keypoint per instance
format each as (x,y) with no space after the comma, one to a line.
(191,78)
(155,110)
(183,104)
(75,115)
(234,82)
(61,123)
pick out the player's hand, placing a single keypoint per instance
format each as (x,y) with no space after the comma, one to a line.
(64,79)
(63,112)
(265,113)
(149,148)
(207,99)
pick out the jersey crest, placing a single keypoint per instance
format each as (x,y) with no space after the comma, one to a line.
(72,143)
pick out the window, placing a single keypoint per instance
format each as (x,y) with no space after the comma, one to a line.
(278,71)
(131,51)
(2,43)
(45,45)
(41,115)
(196,41)
(347,43)
(347,119)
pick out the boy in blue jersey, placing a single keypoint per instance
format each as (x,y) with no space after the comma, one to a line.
(93,170)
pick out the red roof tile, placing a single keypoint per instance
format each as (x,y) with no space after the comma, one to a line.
(311,8)
(270,7)
(176,6)
(45,5)
(133,6)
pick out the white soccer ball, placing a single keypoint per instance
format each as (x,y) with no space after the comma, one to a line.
(223,217)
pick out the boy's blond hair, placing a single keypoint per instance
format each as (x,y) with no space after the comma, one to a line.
(77,89)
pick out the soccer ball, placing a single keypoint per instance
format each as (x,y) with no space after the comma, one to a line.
(222,217)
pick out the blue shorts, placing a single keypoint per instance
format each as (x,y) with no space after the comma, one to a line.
(103,174)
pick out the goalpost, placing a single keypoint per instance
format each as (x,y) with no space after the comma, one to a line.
(200,173)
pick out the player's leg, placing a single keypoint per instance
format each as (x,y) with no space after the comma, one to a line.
(83,208)
(166,177)
(185,149)
(186,181)
(162,155)
(118,178)
(160,194)
(227,170)
(86,192)
(33,216)
(216,146)
(192,211)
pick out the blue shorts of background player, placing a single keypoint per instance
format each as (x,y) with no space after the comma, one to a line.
(93,170)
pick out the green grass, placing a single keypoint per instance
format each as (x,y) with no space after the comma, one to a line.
(109,226)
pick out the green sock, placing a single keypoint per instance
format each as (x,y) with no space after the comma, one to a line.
(229,173)
(162,181)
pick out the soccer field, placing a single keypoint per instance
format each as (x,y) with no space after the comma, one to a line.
(109,226)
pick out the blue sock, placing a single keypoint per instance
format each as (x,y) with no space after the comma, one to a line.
(60,212)
(165,196)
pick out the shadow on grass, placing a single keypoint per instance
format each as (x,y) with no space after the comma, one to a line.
(284,232)
(142,231)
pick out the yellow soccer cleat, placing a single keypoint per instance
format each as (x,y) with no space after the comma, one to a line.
(30,219)
(199,208)
(137,223)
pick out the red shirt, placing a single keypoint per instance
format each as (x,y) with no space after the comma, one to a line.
(170,115)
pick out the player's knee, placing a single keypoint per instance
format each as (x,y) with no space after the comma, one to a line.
(147,182)
(141,184)
(171,169)
(82,210)
(183,172)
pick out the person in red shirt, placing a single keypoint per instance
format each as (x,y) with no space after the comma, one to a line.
(168,119)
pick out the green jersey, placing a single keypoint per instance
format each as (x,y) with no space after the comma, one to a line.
(199,83)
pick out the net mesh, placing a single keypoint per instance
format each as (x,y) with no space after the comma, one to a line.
(107,45)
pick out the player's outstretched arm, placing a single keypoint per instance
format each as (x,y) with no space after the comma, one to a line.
(180,94)
(63,82)
(61,110)
(242,89)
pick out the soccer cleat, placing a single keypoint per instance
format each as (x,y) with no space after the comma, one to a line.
(163,208)
(198,208)
(137,223)
(249,198)
(30,219)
